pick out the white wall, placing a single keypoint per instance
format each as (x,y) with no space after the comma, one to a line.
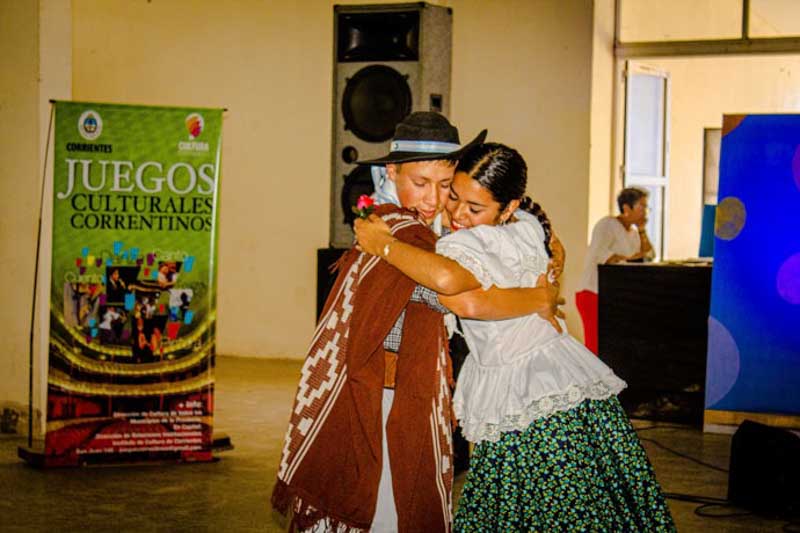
(269,63)
(676,20)
(537,74)
(520,68)
(605,85)
(524,71)
(35,38)
(703,89)
(19,180)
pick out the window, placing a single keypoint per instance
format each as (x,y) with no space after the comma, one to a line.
(647,143)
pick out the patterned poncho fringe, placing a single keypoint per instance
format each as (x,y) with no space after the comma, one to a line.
(331,460)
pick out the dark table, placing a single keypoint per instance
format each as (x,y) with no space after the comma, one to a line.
(653,332)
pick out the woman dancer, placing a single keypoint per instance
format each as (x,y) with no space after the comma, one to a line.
(554,449)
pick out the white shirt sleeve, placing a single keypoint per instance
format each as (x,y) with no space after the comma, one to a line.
(600,249)
(472,249)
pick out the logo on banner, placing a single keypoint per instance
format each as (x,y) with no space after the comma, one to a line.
(194,125)
(90,125)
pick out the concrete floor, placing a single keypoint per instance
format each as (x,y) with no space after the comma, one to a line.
(252,402)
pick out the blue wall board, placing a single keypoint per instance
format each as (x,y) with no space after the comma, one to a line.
(754,328)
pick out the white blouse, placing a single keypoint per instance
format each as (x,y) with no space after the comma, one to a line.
(521,369)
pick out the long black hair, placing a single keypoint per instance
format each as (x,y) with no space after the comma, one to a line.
(502,171)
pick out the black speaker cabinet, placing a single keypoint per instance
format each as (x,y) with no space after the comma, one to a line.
(326,257)
(389,60)
(764,471)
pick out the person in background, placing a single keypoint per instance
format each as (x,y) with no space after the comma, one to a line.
(614,240)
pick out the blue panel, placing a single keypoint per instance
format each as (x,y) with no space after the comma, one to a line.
(754,331)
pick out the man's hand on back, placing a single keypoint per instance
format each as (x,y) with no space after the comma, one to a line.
(556,266)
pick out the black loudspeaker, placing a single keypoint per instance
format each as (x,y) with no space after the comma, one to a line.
(389,60)
(764,471)
(326,258)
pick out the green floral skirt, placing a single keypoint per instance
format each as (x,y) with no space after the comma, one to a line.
(577,470)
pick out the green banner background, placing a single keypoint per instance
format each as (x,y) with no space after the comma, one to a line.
(133,281)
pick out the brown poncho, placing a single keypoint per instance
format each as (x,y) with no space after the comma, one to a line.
(331,461)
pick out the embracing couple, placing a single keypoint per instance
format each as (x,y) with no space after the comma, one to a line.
(369,443)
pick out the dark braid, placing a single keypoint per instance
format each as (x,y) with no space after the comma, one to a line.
(536,210)
(503,172)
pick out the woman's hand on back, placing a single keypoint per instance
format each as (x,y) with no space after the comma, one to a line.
(372,234)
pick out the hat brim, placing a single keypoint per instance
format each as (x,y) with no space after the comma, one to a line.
(409,157)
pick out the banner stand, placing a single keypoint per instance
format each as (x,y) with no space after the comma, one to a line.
(36,278)
(154,396)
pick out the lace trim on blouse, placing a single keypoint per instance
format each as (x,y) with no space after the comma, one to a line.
(541,408)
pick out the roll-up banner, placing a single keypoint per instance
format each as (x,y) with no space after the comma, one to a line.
(133,294)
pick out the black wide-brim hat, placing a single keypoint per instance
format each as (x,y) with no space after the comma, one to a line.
(424,136)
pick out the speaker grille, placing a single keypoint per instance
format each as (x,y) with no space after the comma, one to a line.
(389,36)
(375,100)
(358,182)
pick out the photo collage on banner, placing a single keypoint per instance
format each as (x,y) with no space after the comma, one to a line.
(133,294)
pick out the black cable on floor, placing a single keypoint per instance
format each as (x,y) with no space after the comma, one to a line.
(792,527)
(646,428)
(688,457)
(705,500)
(699,511)
(710,503)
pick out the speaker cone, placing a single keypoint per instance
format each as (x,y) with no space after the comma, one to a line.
(375,99)
(358,182)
